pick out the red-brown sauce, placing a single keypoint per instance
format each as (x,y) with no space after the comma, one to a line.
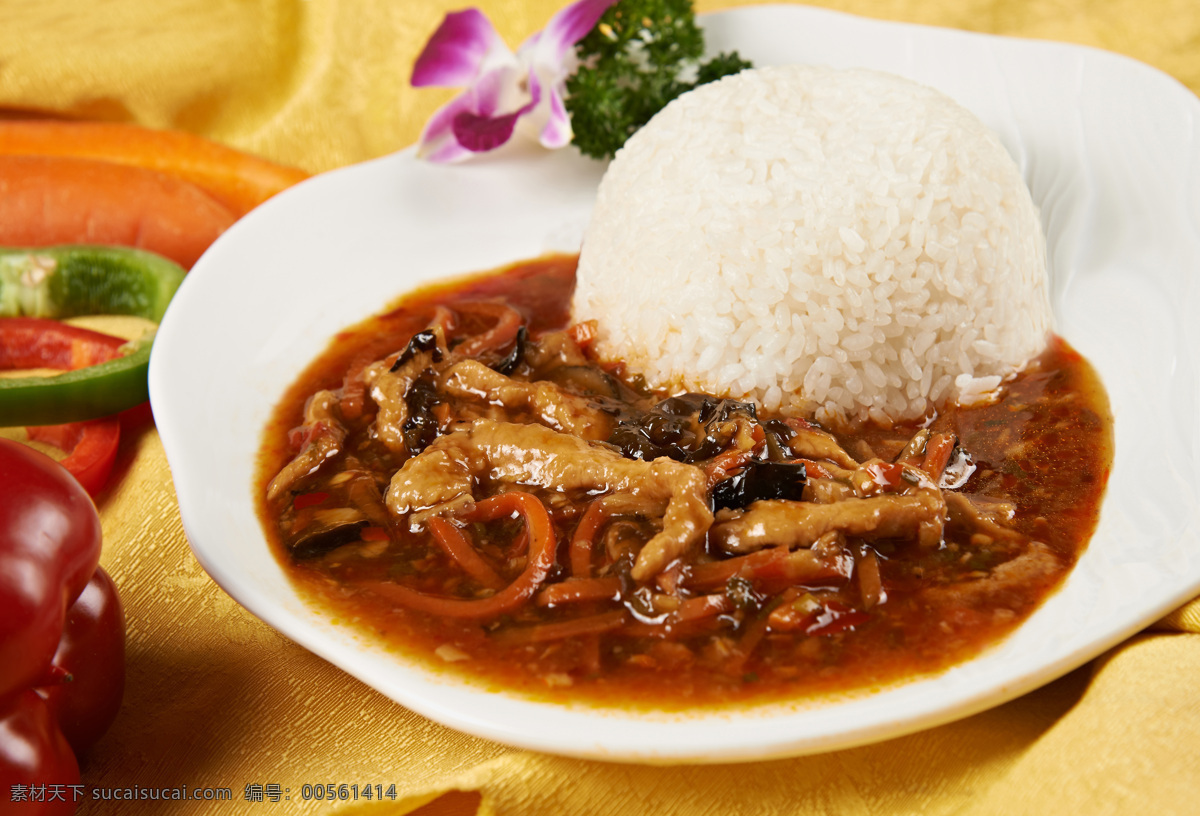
(1044,451)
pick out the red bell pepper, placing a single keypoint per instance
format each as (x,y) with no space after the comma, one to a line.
(36,342)
(91,448)
(61,626)
(30,342)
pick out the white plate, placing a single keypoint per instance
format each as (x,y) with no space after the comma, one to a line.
(1110,149)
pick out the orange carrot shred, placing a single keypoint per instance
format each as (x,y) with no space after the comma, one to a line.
(542,544)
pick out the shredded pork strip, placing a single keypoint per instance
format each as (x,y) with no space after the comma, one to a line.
(325,439)
(441,478)
(812,443)
(1037,564)
(388,390)
(800,524)
(553,407)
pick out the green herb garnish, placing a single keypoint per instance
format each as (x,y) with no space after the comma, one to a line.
(640,56)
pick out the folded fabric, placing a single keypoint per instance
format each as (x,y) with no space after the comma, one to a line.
(323,83)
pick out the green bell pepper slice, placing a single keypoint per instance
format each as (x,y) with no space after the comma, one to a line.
(72,281)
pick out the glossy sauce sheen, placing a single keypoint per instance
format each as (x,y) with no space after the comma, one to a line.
(1046,447)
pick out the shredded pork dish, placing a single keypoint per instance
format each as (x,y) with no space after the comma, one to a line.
(462,479)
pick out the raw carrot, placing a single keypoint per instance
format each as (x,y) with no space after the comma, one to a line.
(239,181)
(60,200)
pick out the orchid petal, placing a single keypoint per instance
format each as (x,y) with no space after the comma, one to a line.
(567,27)
(481,130)
(495,91)
(557,130)
(438,143)
(460,48)
(470,123)
(479,134)
(504,91)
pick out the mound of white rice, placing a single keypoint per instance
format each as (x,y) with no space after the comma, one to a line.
(847,244)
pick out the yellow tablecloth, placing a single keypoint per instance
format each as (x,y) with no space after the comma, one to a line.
(216,699)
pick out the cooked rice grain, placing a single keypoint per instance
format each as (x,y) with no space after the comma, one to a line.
(844,243)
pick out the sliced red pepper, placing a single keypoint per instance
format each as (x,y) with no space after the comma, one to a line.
(102,375)
(91,448)
(34,342)
(30,342)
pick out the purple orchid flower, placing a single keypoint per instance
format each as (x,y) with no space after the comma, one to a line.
(503,90)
